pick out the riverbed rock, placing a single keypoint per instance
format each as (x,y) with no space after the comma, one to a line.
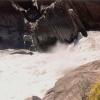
(76,84)
(33,98)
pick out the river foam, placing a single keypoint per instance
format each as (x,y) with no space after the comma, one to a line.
(22,76)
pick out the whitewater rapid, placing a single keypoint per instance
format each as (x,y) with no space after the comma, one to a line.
(22,76)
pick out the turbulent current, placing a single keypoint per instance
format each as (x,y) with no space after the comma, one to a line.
(23,75)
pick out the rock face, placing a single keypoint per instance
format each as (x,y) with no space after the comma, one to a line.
(62,25)
(12,24)
(88,11)
(76,84)
(52,19)
(58,22)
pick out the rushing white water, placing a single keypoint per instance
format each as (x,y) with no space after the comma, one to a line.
(23,75)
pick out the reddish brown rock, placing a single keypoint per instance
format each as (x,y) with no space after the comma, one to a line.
(76,84)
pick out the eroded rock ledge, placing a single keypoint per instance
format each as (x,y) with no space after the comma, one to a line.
(76,84)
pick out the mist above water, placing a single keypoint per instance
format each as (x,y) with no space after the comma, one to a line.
(22,76)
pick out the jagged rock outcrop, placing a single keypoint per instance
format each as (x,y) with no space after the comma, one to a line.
(59,23)
(75,85)
(51,20)
(88,11)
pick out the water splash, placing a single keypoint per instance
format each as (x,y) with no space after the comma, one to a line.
(22,76)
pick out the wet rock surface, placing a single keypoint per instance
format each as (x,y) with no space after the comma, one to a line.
(33,98)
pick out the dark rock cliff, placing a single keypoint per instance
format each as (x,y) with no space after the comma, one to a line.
(51,20)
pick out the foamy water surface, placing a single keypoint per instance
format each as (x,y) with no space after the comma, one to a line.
(22,76)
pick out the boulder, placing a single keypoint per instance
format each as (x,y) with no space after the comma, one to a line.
(33,98)
(76,84)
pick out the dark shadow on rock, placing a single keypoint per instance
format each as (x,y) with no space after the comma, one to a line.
(33,98)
